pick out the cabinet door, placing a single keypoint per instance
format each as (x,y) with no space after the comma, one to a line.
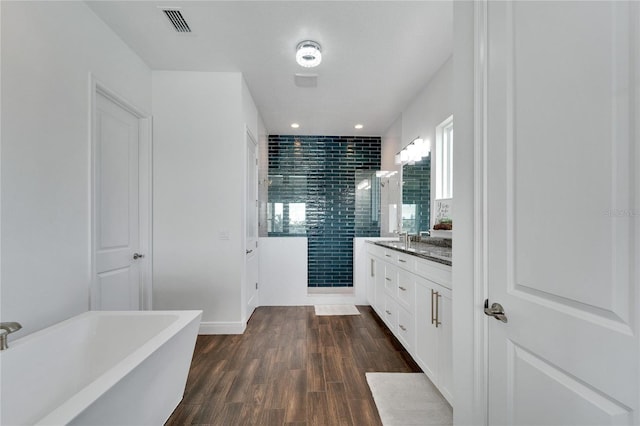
(445,351)
(426,333)
(371,283)
(378,278)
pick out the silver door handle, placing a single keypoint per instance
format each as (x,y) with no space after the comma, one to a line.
(137,256)
(249,251)
(496,310)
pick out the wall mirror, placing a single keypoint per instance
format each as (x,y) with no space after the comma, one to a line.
(416,196)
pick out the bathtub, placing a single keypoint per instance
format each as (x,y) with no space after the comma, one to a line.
(99,368)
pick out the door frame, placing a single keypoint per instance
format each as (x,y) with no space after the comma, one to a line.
(145,192)
(470,289)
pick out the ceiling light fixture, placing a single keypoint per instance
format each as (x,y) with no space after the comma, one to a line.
(295,125)
(308,54)
(358,126)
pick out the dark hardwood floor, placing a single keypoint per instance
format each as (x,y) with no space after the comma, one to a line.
(291,367)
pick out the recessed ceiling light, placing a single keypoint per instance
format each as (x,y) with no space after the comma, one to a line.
(308,54)
(358,126)
(295,125)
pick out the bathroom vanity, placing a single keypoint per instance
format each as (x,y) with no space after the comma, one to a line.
(410,289)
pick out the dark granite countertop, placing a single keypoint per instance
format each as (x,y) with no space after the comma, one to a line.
(433,249)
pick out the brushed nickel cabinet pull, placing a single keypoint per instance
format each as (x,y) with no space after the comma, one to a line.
(403,327)
(387,278)
(402,288)
(433,318)
(372,273)
(388,312)
(438,295)
(402,260)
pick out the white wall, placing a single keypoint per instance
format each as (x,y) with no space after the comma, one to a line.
(199,142)
(391,141)
(48,51)
(283,275)
(430,107)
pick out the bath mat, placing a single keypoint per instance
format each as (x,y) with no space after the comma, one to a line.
(325,310)
(408,399)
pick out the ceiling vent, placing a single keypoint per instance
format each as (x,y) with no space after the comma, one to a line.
(306,80)
(177,20)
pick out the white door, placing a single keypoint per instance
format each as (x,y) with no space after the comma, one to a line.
(562,212)
(117,238)
(251,226)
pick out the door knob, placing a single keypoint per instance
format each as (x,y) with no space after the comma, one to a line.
(137,256)
(496,310)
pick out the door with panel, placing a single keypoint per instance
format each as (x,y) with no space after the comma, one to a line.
(251,226)
(116,284)
(562,212)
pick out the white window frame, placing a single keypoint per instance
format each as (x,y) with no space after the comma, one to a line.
(443,160)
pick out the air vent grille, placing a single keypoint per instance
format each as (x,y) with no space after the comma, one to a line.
(177,20)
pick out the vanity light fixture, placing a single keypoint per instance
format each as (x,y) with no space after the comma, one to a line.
(358,126)
(416,150)
(295,125)
(308,54)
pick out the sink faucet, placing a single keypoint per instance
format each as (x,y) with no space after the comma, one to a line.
(404,238)
(7,328)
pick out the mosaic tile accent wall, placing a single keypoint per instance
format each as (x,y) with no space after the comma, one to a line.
(312,192)
(416,191)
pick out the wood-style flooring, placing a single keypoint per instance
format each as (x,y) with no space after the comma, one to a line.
(291,367)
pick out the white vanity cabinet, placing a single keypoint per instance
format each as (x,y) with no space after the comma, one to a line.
(413,297)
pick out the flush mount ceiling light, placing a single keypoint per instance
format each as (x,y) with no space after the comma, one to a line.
(308,54)
(358,126)
(295,125)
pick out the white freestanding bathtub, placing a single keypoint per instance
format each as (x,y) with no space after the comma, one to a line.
(99,368)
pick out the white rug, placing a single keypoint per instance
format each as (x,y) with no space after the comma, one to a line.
(408,399)
(336,310)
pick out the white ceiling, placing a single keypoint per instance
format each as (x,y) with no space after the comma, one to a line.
(377,55)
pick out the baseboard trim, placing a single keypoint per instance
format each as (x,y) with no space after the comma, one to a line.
(214,327)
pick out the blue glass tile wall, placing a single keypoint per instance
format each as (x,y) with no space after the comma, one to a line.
(312,187)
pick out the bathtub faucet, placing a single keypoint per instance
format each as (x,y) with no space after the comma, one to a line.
(6,328)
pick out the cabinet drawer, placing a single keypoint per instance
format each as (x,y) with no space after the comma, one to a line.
(406,289)
(390,278)
(406,327)
(391,313)
(406,261)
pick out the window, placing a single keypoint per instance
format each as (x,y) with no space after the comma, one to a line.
(286,218)
(409,223)
(297,218)
(444,159)
(275,213)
